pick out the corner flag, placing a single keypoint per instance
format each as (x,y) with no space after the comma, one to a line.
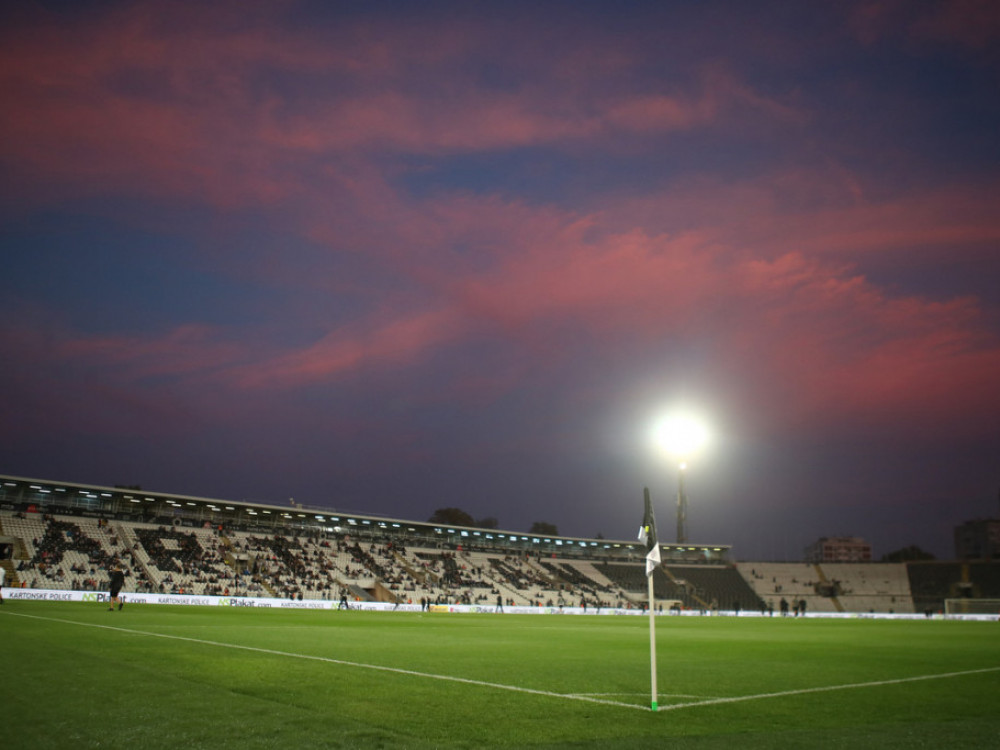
(647,535)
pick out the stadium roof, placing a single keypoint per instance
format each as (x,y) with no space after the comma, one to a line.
(159,507)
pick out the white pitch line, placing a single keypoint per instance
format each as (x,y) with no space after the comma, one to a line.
(341,662)
(660,695)
(827,688)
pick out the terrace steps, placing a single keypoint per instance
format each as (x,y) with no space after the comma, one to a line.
(833,599)
(690,591)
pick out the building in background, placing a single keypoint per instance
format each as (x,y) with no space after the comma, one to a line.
(978,539)
(832,549)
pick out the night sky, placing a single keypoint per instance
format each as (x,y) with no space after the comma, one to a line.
(392,257)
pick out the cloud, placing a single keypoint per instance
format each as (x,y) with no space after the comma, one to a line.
(830,349)
(390,344)
(180,352)
(972,24)
(769,269)
(804,329)
(204,108)
(781,302)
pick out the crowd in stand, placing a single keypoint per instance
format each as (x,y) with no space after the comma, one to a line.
(166,559)
(76,553)
(48,561)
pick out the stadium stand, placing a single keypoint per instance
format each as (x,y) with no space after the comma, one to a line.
(719,588)
(175,555)
(933,582)
(883,587)
(793,582)
(985,579)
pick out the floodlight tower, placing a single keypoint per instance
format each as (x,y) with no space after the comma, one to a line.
(682,505)
(681,436)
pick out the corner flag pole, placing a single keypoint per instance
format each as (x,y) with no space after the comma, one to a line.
(652,647)
(647,534)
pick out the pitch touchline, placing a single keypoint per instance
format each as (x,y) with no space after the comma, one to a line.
(515,688)
(341,662)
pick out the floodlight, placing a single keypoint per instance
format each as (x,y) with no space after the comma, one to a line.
(681,435)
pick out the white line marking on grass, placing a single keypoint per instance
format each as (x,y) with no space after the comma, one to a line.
(239,627)
(827,688)
(341,662)
(660,695)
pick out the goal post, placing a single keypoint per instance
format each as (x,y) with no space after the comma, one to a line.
(972,606)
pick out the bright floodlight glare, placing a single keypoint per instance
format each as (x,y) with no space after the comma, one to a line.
(681,435)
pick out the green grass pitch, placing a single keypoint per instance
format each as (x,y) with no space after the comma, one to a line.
(76,675)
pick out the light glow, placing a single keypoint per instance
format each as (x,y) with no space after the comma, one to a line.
(681,435)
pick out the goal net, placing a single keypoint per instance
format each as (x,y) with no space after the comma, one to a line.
(972,606)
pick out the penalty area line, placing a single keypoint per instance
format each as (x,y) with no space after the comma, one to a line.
(339,662)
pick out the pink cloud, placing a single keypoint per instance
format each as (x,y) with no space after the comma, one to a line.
(391,343)
(805,335)
(807,332)
(969,23)
(828,212)
(143,102)
(780,293)
(181,352)
(771,271)
(833,349)
(947,217)
(111,384)
(810,330)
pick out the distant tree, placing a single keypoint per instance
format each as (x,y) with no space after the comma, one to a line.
(542,527)
(135,487)
(487,523)
(907,554)
(598,535)
(452,516)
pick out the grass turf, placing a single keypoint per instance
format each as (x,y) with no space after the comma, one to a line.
(286,678)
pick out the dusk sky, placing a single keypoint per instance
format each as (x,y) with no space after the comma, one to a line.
(389,257)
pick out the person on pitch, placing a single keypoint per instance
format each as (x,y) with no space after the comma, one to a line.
(117,581)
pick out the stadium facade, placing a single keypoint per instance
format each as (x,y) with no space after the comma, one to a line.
(835,549)
(978,539)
